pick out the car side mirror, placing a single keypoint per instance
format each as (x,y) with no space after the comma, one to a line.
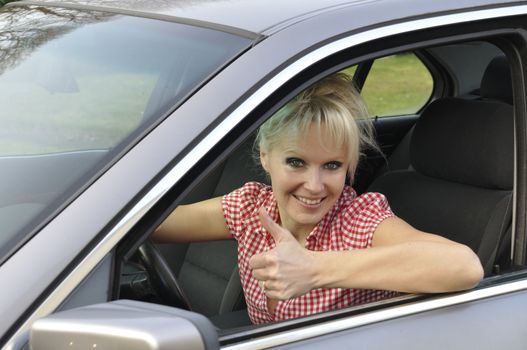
(123,324)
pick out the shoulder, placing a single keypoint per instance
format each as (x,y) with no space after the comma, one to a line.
(349,201)
(369,202)
(241,205)
(246,199)
(250,192)
(361,215)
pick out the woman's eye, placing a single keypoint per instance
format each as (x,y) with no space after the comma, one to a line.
(294,162)
(333,165)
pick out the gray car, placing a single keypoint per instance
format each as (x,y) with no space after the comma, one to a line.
(114,112)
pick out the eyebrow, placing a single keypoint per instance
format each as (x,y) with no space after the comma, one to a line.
(286,153)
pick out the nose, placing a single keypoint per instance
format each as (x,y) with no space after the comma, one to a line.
(314,181)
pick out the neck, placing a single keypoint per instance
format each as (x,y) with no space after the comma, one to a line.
(300,232)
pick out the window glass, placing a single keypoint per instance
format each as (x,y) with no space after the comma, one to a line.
(75,87)
(396,85)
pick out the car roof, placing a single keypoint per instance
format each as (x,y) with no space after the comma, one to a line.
(264,17)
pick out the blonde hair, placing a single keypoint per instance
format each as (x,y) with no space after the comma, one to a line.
(333,103)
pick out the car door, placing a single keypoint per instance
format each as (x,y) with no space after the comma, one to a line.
(463,320)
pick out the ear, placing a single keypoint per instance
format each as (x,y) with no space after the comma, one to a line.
(264,160)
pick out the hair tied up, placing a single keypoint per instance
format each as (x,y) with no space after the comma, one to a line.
(332,104)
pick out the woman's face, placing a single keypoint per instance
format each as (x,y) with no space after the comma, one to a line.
(307,177)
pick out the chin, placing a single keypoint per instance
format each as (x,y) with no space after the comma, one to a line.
(307,219)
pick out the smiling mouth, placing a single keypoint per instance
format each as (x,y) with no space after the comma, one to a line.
(308,201)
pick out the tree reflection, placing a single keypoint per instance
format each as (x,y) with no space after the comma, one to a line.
(25,28)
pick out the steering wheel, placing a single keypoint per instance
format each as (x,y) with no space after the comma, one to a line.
(163,280)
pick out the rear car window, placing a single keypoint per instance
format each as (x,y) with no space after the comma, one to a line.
(77,88)
(397,85)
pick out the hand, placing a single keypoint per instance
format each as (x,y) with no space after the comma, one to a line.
(285,269)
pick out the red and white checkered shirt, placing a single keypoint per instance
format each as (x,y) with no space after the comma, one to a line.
(349,225)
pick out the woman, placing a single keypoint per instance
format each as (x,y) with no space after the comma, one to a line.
(308,243)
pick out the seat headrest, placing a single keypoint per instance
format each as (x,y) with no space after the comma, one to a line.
(465,141)
(496,83)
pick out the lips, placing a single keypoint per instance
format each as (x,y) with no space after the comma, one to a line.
(309,201)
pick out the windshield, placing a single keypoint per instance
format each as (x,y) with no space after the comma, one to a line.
(76,88)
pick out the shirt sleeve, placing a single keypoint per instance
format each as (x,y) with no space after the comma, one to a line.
(364,215)
(239,205)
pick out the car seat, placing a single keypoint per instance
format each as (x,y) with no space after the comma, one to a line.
(496,85)
(461,180)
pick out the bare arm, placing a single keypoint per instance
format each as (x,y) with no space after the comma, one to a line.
(202,221)
(401,259)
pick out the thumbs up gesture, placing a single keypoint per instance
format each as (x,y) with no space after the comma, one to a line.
(285,271)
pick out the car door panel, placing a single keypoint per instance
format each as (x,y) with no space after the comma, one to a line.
(487,324)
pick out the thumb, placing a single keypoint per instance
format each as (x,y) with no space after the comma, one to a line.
(278,233)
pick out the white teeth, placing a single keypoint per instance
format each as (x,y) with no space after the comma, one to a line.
(309,201)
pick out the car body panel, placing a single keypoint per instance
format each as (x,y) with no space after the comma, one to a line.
(260,16)
(478,325)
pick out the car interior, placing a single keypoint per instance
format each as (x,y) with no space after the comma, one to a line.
(455,159)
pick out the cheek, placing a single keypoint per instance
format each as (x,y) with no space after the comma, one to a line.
(283,181)
(337,181)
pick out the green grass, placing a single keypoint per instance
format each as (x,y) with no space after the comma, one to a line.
(103,111)
(396,85)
